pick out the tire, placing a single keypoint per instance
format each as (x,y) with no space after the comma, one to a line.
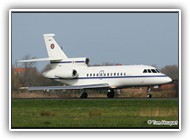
(149,95)
(84,95)
(110,94)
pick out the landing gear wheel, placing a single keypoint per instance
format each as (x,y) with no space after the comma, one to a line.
(84,95)
(111,94)
(149,95)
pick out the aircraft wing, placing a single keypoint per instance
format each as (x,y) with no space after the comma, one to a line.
(93,86)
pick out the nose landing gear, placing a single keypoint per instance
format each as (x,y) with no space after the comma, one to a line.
(149,95)
(84,95)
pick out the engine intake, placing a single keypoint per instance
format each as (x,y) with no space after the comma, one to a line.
(87,61)
(81,61)
(67,74)
(74,73)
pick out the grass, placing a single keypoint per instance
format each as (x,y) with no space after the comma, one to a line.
(91,113)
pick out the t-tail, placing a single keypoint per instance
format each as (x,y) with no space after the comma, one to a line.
(53,49)
(57,55)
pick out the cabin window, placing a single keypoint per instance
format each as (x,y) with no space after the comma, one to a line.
(110,74)
(87,75)
(114,74)
(107,74)
(91,74)
(121,74)
(97,74)
(149,71)
(94,74)
(124,73)
(117,74)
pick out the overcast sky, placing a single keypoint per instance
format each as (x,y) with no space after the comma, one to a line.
(125,38)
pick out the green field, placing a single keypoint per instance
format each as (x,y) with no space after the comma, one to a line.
(104,113)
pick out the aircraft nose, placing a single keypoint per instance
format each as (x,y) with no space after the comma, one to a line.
(168,79)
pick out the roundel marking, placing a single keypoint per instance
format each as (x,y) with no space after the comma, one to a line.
(52,46)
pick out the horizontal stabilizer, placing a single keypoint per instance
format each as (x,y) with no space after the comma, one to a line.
(47,88)
(41,59)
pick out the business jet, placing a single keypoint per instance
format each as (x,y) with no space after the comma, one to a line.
(75,73)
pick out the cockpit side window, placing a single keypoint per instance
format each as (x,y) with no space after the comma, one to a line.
(149,71)
(145,71)
(154,71)
(157,70)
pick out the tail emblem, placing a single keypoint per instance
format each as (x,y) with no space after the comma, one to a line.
(52,46)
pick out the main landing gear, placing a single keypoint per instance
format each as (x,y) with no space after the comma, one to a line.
(149,95)
(111,93)
(84,95)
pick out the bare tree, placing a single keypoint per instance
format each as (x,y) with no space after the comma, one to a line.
(29,74)
(46,68)
(171,71)
(15,80)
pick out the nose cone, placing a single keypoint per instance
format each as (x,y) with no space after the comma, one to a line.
(168,80)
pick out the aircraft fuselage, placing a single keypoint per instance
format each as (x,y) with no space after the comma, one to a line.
(114,76)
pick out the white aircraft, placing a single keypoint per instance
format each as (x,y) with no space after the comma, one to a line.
(76,73)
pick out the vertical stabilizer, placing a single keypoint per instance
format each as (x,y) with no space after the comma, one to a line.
(53,49)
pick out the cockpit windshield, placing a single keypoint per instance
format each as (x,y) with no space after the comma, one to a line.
(151,71)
